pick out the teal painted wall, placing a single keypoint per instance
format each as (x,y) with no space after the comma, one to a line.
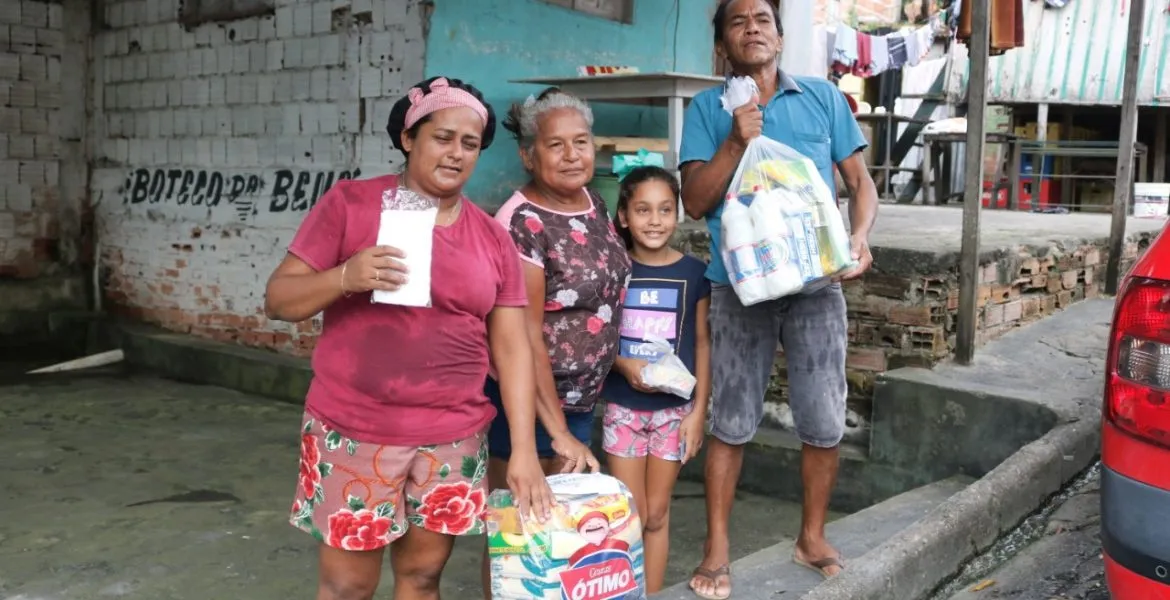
(489,42)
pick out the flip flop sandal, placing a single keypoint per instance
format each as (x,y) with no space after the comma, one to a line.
(713,575)
(819,566)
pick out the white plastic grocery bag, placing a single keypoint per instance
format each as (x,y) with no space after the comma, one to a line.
(781,229)
(408,223)
(667,373)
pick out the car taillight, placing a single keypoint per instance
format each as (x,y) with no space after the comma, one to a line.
(1137,390)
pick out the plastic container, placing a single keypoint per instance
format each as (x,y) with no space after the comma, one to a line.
(739,253)
(781,273)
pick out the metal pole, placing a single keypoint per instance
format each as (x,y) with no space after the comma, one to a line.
(978,48)
(1123,185)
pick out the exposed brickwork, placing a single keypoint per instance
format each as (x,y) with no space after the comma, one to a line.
(31,46)
(866,11)
(910,319)
(213,143)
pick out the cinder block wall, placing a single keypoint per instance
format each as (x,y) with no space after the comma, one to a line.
(31,45)
(211,143)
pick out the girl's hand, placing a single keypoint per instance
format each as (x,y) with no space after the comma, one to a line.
(374,268)
(631,369)
(691,432)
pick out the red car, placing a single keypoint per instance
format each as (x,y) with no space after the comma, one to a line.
(1135,444)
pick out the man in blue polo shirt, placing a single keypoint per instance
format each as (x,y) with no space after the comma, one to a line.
(813,117)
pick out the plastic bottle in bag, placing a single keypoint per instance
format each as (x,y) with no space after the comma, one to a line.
(781,273)
(743,266)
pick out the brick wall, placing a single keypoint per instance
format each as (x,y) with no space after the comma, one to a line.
(31,45)
(904,313)
(211,143)
(866,11)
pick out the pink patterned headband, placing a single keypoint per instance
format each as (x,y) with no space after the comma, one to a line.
(441,96)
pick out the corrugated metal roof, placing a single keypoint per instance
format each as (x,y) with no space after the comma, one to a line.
(1076,55)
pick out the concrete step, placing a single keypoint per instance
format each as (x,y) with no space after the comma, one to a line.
(770,573)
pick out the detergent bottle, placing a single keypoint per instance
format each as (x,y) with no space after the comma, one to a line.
(773,246)
(739,253)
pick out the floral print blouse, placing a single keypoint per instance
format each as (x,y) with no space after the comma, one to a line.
(586,271)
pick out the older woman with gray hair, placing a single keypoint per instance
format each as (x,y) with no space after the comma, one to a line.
(576,270)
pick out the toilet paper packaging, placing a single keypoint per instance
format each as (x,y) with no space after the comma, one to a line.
(590,548)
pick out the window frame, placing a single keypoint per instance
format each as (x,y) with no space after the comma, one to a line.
(625,16)
(199,12)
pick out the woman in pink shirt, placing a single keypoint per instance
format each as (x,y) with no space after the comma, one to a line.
(394,446)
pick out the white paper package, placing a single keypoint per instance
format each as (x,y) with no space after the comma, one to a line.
(591,548)
(408,223)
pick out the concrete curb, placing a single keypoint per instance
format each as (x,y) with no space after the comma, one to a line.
(917,560)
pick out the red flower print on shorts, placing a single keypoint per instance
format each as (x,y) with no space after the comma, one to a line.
(452,508)
(534,225)
(552,305)
(310,456)
(361,530)
(578,237)
(594,324)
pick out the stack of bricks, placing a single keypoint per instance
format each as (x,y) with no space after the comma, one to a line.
(910,319)
(31,47)
(866,11)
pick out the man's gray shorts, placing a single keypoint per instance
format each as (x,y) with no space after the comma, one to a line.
(812,328)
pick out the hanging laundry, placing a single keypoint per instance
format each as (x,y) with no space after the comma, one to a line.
(880,54)
(1007,25)
(897,46)
(845,46)
(863,67)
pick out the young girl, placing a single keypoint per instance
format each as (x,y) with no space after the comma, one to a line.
(649,434)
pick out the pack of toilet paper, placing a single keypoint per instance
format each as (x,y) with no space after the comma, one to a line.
(590,549)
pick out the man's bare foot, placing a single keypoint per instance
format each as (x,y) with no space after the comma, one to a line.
(818,556)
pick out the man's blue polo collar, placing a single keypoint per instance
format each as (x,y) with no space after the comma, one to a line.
(785,84)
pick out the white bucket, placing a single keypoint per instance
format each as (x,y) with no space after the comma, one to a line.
(1151,200)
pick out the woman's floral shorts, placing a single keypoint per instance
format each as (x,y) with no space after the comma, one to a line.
(359,496)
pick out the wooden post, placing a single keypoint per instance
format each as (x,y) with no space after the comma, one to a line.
(1123,189)
(978,48)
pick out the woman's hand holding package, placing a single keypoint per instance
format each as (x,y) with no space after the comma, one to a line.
(691,431)
(372,269)
(576,455)
(631,369)
(530,488)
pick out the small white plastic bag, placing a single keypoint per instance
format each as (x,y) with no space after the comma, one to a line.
(408,223)
(667,372)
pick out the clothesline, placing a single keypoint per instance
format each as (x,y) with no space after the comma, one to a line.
(864,55)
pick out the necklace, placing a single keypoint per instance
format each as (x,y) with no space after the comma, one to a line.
(454,214)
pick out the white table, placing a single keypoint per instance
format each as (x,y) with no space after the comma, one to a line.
(672,90)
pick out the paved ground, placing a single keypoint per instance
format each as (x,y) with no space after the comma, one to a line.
(1061,557)
(939,228)
(142,488)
